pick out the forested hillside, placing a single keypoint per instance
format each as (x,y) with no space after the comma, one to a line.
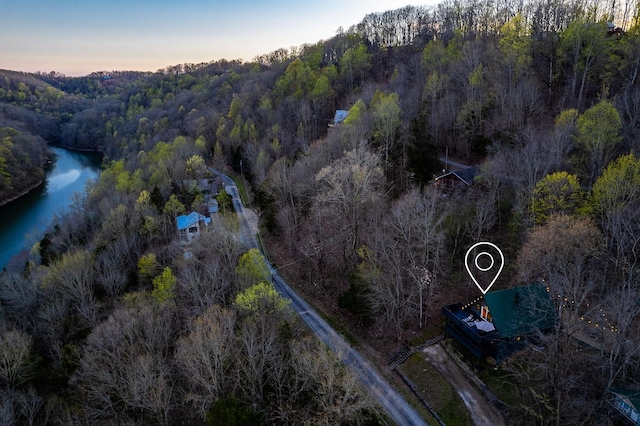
(110,323)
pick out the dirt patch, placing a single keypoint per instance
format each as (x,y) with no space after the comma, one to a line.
(482,411)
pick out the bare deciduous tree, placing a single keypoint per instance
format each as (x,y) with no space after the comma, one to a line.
(221,245)
(31,404)
(201,284)
(112,265)
(258,348)
(124,373)
(409,249)
(73,278)
(206,355)
(517,169)
(290,188)
(19,297)
(482,214)
(390,294)
(620,335)
(15,358)
(337,395)
(349,188)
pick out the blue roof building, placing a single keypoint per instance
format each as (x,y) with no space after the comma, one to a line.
(340,116)
(190,226)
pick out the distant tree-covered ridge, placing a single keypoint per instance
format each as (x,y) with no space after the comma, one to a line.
(109,321)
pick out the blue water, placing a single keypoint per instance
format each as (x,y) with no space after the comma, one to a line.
(24,221)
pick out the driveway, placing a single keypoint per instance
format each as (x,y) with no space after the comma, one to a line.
(482,411)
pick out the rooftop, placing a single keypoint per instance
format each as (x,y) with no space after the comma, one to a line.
(631,396)
(341,114)
(191,219)
(465,175)
(521,310)
(503,323)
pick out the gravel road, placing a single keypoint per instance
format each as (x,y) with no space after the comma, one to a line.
(396,407)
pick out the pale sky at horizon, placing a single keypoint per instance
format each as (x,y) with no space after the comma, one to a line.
(77,37)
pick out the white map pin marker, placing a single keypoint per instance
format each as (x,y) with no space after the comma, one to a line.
(492,262)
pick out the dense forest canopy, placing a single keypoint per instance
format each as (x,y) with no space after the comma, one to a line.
(109,323)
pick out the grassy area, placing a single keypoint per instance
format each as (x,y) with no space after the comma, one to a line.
(502,385)
(436,390)
(430,330)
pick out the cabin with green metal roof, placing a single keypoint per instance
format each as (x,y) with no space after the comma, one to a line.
(521,310)
(501,322)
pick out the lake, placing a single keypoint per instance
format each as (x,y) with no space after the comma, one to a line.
(25,220)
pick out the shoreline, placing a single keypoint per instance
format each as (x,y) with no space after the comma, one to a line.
(22,194)
(46,165)
(91,150)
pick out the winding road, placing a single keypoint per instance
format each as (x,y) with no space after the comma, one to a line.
(395,405)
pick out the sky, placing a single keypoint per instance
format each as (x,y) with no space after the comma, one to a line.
(77,37)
